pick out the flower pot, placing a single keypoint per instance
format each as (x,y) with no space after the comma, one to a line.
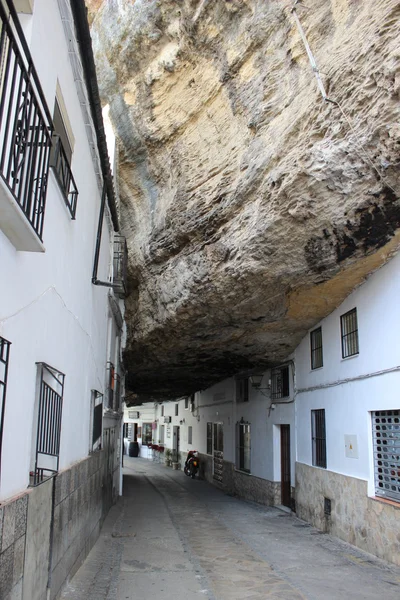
(175,466)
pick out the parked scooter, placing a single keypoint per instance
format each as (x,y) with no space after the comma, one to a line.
(192,464)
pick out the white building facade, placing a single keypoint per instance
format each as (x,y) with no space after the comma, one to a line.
(348,418)
(61,299)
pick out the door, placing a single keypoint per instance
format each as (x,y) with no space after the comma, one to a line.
(218,454)
(285,465)
(175,443)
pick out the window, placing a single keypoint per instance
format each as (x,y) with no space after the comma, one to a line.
(176,410)
(147,434)
(349,327)
(49,415)
(162,434)
(316,348)
(209,438)
(186,403)
(97,420)
(4,358)
(242,390)
(126,430)
(61,154)
(162,411)
(190,433)
(110,384)
(243,447)
(318,438)
(386,444)
(280,383)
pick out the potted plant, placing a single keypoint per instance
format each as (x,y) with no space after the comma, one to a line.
(168,455)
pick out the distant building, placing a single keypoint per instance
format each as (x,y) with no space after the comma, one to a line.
(62,273)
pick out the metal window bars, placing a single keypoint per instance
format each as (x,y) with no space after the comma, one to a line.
(48,437)
(97,420)
(120,264)
(318,429)
(280,383)
(349,328)
(113,388)
(386,445)
(4,358)
(25,123)
(316,348)
(62,170)
(243,447)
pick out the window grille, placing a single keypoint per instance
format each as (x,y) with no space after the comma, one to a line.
(280,383)
(186,403)
(51,391)
(190,434)
(386,440)
(209,438)
(242,389)
(162,411)
(97,418)
(349,327)
(4,358)
(162,434)
(243,447)
(176,410)
(318,432)
(316,348)
(120,265)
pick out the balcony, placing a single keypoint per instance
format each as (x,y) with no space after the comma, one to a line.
(120,264)
(25,139)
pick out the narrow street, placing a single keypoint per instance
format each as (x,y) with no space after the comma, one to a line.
(171,537)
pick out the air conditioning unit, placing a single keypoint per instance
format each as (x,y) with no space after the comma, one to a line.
(167,419)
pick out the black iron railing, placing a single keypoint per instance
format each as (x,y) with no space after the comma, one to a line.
(25,123)
(120,264)
(280,387)
(63,173)
(48,435)
(4,358)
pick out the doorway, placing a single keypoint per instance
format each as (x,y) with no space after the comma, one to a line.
(175,442)
(218,454)
(285,465)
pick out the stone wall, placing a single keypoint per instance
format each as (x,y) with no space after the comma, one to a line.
(241,484)
(47,532)
(369,523)
(13,519)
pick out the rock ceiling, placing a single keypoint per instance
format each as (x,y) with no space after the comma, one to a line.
(251,206)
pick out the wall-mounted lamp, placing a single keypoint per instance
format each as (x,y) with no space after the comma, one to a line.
(182,421)
(256,381)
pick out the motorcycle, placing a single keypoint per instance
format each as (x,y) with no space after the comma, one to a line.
(192,464)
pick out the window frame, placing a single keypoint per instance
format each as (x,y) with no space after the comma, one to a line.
(386,453)
(345,335)
(209,438)
(146,427)
(318,438)
(279,389)
(242,389)
(162,410)
(243,448)
(314,348)
(177,409)
(96,410)
(190,435)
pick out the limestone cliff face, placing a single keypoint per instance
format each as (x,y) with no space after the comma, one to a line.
(251,206)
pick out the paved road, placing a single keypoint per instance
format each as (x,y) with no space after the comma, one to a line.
(174,538)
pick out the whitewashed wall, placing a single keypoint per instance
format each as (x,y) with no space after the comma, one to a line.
(49,309)
(356,385)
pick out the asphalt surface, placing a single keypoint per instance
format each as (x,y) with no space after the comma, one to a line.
(174,538)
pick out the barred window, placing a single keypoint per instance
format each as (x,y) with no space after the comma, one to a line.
(190,434)
(316,348)
(318,432)
(280,383)
(97,420)
(176,410)
(147,434)
(162,411)
(386,440)
(243,447)
(349,327)
(4,358)
(49,419)
(209,438)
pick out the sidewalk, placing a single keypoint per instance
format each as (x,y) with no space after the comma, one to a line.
(174,538)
